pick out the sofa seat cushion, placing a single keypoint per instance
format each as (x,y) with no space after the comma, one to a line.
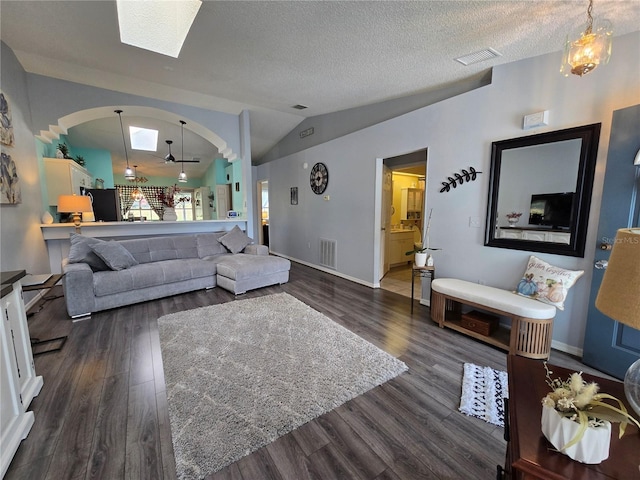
(242,266)
(151,275)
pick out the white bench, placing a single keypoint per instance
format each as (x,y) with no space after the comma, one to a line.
(531,320)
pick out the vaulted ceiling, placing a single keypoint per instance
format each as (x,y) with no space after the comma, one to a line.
(268,56)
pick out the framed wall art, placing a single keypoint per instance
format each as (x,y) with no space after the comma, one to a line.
(9,181)
(6,124)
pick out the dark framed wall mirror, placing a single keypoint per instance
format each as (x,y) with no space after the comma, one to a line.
(547,179)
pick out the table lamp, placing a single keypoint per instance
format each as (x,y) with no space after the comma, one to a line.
(74,204)
(619,297)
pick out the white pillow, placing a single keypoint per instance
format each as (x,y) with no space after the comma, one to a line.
(546,283)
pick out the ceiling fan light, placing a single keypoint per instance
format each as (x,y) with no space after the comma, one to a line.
(182,177)
(592,47)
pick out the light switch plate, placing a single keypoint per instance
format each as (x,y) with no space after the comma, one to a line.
(533,120)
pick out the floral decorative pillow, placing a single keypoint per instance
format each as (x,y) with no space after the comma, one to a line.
(547,283)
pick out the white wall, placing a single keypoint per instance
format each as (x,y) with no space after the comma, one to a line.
(22,246)
(458,133)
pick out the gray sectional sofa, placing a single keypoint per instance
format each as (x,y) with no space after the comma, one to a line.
(100,275)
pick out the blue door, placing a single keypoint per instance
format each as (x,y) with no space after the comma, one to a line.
(610,346)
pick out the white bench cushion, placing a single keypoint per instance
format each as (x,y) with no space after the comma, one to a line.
(492,297)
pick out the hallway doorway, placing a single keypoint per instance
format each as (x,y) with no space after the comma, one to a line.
(263,198)
(403,218)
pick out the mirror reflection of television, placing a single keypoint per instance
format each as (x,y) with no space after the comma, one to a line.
(552,209)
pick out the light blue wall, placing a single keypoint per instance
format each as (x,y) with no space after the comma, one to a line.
(98,162)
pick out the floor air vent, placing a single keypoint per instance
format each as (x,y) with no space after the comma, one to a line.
(328,253)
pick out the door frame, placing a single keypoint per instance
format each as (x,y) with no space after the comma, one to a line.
(377,211)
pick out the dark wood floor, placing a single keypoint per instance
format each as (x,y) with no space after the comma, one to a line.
(102,412)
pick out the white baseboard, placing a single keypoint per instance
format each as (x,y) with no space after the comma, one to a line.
(563,347)
(327,270)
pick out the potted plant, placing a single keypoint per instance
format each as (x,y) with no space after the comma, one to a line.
(79,159)
(62,151)
(577,420)
(422,258)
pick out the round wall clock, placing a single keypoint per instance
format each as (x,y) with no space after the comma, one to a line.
(319,178)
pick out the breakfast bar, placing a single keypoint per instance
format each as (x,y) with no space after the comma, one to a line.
(56,235)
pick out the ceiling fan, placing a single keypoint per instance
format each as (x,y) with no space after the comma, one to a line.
(171,159)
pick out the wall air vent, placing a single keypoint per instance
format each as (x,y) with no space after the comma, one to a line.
(328,253)
(299,107)
(477,57)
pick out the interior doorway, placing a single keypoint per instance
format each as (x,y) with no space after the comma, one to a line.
(402,219)
(263,198)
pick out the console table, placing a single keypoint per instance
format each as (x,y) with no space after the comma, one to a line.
(531,456)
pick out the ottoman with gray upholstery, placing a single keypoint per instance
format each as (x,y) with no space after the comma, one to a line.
(241,272)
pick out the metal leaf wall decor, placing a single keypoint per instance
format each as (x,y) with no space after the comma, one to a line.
(459,178)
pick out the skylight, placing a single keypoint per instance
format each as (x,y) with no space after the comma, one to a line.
(143,139)
(157,25)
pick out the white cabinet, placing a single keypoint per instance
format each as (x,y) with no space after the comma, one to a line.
(411,204)
(201,203)
(536,235)
(399,244)
(64,177)
(18,380)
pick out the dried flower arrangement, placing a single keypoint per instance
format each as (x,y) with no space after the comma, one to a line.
(514,215)
(168,197)
(580,402)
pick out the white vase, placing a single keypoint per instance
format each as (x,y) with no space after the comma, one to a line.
(420,259)
(512,221)
(169,214)
(47,218)
(592,448)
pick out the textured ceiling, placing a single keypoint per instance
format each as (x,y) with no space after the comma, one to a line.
(268,56)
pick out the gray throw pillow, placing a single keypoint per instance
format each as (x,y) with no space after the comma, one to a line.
(114,255)
(235,240)
(80,252)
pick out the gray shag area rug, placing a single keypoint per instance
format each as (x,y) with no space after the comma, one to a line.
(243,373)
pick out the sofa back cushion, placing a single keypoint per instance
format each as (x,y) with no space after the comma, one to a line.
(154,249)
(209,244)
(81,252)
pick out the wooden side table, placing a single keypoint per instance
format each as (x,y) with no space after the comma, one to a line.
(422,272)
(531,456)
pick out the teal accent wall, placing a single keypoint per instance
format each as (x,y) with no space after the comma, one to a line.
(220,166)
(99,164)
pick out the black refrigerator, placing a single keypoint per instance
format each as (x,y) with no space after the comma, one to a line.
(106,204)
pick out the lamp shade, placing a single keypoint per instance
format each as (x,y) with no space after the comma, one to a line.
(74,204)
(619,297)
